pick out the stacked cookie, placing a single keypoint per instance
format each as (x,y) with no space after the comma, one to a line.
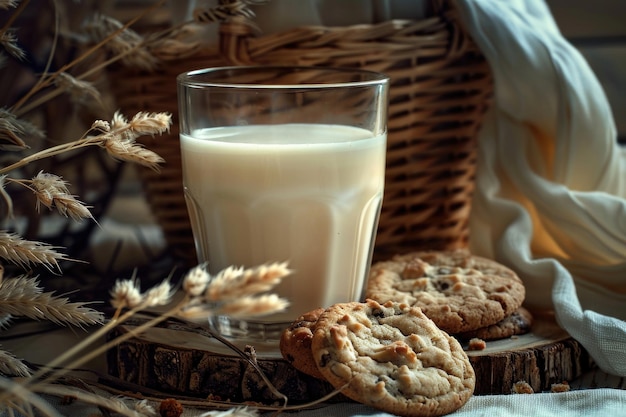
(465,295)
(388,355)
(400,351)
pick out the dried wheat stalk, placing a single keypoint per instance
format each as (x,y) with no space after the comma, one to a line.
(10,365)
(235,291)
(23,252)
(22,296)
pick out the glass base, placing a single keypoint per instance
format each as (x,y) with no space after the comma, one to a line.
(263,336)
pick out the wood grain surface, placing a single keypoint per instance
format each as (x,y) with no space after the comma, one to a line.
(180,359)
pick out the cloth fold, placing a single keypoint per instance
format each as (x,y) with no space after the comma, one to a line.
(550,197)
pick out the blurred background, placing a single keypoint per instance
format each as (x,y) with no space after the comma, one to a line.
(126,238)
(597,29)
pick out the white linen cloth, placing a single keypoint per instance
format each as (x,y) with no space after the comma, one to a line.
(599,402)
(550,197)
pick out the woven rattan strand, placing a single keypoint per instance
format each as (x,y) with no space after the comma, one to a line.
(441,87)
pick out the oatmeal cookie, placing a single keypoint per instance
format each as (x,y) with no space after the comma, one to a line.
(392,357)
(295,343)
(516,324)
(460,292)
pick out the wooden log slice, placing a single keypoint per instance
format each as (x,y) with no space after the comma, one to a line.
(176,359)
(545,356)
(179,360)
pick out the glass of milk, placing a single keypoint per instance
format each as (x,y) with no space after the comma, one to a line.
(285,164)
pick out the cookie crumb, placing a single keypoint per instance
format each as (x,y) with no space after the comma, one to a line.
(522,387)
(170,408)
(477,344)
(562,387)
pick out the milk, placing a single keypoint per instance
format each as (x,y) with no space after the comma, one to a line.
(308,194)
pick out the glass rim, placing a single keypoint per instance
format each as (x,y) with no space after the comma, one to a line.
(192,78)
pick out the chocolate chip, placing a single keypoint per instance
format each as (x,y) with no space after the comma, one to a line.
(324,360)
(378,313)
(441,285)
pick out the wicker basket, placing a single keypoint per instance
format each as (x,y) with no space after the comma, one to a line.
(440,88)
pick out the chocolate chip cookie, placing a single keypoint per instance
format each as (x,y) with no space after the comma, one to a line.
(460,292)
(517,323)
(392,357)
(295,343)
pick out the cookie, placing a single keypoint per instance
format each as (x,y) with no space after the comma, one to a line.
(295,343)
(392,357)
(458,291)
(517,323)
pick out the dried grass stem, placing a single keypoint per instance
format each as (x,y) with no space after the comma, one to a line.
(20,108)
(119,136)
(18,11)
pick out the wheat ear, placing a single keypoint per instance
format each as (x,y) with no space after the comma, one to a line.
(10,365)
(236,282)
(23,252)
(22,296)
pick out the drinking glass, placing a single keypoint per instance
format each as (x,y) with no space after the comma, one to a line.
(285,164)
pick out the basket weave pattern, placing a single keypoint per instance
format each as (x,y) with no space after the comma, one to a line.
(440,88)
